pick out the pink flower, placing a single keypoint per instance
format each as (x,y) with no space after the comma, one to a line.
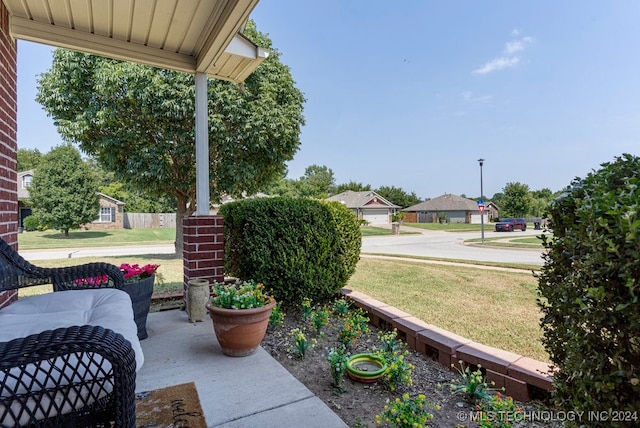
(133,273)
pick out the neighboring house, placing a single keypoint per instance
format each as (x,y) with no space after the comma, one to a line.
(492,211)
(111,214)
(367,205)
(111,209)
(24,206)
(456,209)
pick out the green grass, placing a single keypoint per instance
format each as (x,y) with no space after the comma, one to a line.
(494,308)
(95,238)
(380,231)
(169,276)
(488,306)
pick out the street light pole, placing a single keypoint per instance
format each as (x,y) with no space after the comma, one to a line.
(481,161)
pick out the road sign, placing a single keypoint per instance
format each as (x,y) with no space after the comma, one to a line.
(481,202)
(481,208)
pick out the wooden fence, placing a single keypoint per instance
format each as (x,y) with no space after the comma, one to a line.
(149,220)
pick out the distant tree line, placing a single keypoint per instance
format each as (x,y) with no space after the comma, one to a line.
(318,181)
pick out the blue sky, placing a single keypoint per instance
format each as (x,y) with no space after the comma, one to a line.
(411,94)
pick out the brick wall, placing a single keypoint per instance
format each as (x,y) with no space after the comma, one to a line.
(521,377)
(203,248)
(8,139)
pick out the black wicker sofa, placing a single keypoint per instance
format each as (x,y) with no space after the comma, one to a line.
(67,358)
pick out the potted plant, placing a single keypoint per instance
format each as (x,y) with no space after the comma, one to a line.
(240,312)
(138,283)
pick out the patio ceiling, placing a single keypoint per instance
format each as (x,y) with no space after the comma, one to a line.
(194,36)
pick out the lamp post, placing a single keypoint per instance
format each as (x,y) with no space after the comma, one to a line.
(481,161)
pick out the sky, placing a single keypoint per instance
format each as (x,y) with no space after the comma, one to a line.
(411,94)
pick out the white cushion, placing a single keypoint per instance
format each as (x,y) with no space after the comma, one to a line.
(108,308)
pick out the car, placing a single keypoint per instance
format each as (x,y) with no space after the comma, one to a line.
(511,224)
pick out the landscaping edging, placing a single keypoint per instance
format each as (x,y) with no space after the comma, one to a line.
(522,378)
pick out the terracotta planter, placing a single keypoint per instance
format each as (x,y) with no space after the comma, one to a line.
(240,331)
(140,293)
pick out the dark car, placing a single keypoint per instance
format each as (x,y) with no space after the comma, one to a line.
(511,224)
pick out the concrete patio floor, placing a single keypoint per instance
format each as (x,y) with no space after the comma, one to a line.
(253,391)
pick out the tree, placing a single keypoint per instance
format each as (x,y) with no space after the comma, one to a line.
(317,182)
(28,159)
(397,196)
(136,202)
(63,192)
(589,287)
(353,186)
(517,200)
(139,122)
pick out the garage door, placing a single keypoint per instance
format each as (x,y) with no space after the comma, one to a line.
(376,216)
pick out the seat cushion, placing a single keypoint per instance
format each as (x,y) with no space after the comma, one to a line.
(108,308)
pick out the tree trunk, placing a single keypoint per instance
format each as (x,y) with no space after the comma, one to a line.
(182,211)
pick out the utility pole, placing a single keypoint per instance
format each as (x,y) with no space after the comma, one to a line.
(481,161)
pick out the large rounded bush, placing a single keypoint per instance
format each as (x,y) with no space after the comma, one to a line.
(30,223)
(589,288)
(297,247)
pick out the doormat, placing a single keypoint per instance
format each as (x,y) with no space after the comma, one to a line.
(170,407)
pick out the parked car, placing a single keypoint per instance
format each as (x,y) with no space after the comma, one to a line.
(511,224)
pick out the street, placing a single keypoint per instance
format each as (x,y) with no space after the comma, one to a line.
(450,245)
(445,245)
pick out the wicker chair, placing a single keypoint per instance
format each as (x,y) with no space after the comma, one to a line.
(73,376)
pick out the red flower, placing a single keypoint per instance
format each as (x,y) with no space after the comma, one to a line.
(133,273)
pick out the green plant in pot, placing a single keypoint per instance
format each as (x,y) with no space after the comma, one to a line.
(240,312)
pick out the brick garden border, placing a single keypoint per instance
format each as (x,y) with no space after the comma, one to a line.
(522,378)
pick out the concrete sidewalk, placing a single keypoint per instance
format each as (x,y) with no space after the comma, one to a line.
(253,391)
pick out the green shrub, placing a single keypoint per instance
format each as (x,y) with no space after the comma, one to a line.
(589,288)
(30,223)
(299,248)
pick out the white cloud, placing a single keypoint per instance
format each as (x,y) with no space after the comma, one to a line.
(469,97)
(508,59)
(517,45)
(497,64)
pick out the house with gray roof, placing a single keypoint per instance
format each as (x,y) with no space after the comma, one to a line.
(455,209)
(367,205)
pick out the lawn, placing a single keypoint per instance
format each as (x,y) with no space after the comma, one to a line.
(492,307)
(96,238)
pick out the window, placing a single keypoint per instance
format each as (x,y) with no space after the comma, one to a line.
(107,215)
(26,181)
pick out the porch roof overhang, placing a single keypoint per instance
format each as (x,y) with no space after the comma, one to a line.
(193,36)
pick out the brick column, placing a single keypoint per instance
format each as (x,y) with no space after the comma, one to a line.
(8,140)
(203,248)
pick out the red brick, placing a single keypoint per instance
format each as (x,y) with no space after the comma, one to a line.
(533,372)
(517,389)
(387,313)
(488,357)
(409,327)
(442,340)
(495,380)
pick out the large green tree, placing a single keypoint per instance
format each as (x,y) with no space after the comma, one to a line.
(63,191)
(517,200)
(317,182)
(354,186)
(397,196)
(139,122)
(28,159)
